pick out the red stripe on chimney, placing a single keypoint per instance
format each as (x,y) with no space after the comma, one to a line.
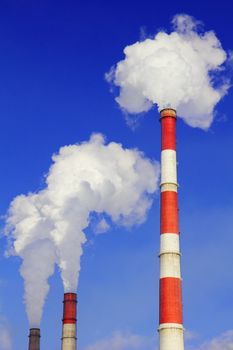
(170,300)
(169,212)
(168,124)
(70,313)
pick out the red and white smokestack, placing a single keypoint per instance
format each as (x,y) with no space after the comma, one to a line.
(171,331)
(34,339)
(69,338)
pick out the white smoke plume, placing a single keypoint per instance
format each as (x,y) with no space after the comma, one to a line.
(47,227)
(182,69)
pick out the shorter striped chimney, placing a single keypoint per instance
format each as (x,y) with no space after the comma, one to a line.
(34,339)
(69,338)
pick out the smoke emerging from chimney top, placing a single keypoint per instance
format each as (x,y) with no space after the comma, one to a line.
(47,227)
(182,69)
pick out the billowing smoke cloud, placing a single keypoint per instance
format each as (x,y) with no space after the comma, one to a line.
(182,69)
(47,228)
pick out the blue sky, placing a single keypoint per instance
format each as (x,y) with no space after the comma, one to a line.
(52,93)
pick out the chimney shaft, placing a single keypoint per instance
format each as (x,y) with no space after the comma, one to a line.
(171,324)
(69,322)
(34,339)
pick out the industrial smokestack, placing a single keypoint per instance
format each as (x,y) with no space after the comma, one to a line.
(34,339)
(69,338)
(183,69)
(171,324)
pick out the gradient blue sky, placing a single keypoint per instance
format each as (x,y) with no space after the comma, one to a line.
(52,92)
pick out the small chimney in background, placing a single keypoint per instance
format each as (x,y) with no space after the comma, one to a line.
(34,339)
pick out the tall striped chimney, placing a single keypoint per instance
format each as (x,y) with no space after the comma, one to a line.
(34,339)
(171,332)
(69,338)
